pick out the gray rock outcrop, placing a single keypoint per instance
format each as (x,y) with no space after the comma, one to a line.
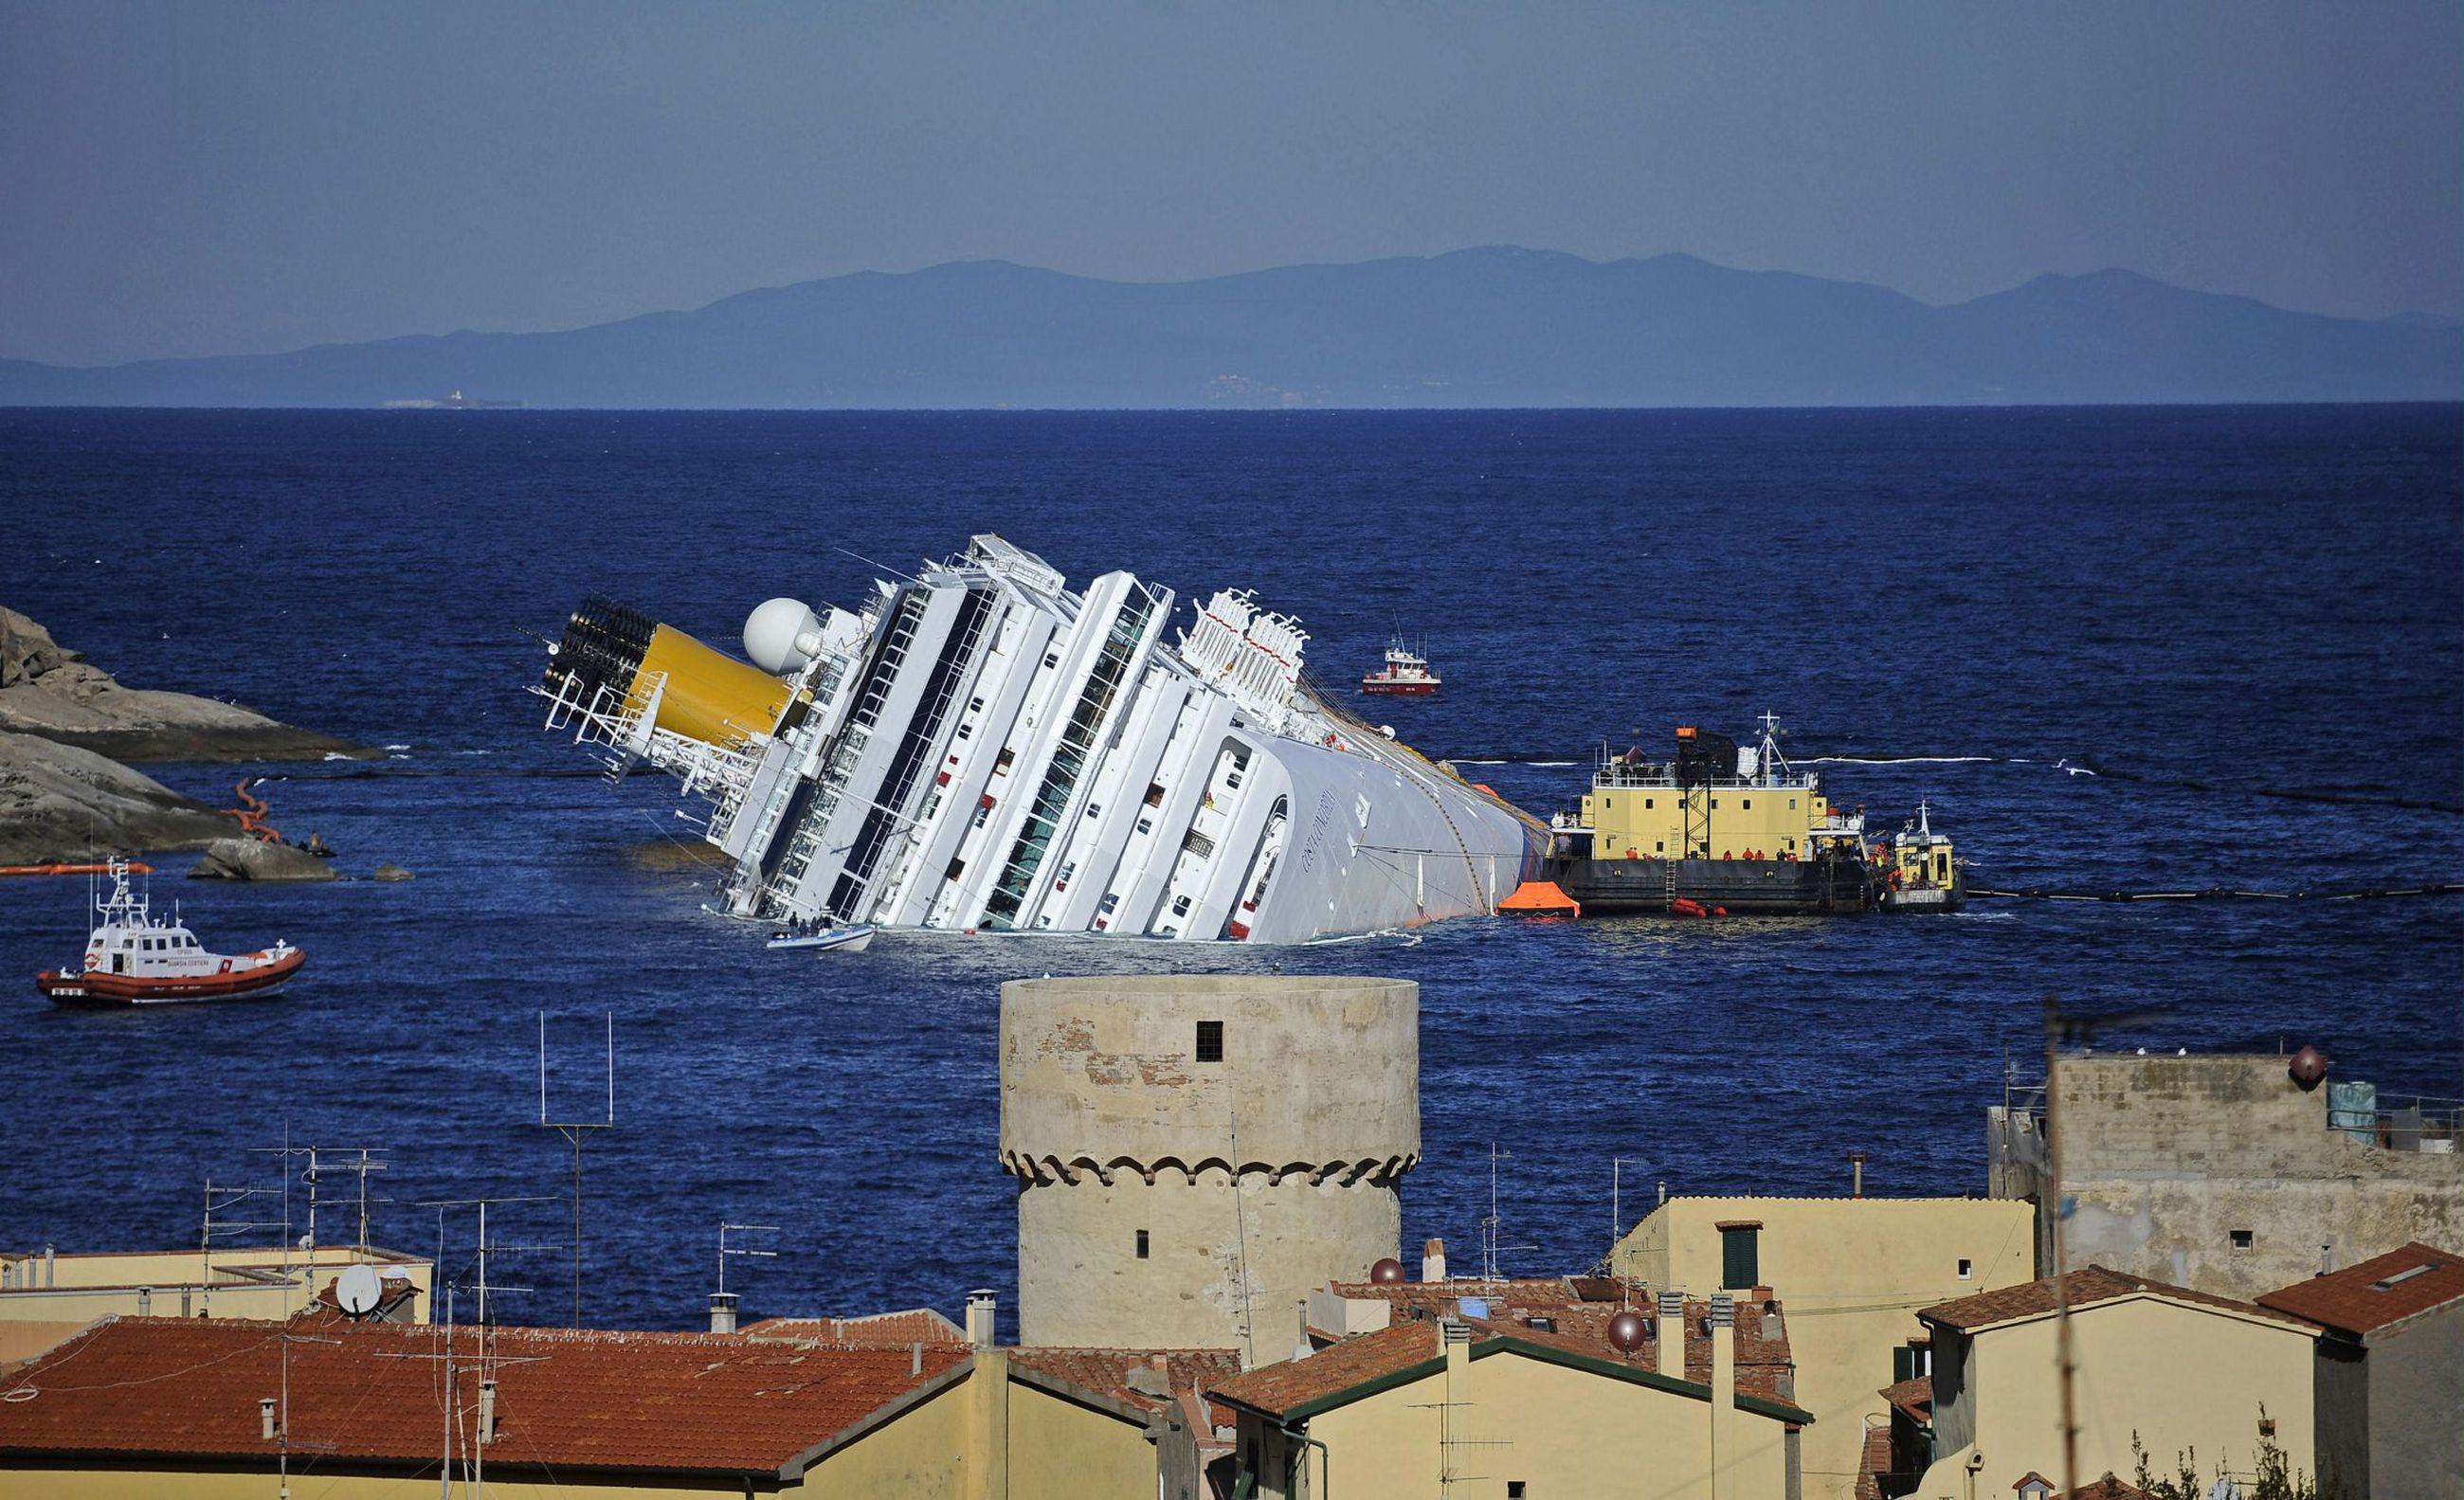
(256,859)
(61,803)
(50,691)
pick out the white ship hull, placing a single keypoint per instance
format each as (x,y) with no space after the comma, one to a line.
(982,749)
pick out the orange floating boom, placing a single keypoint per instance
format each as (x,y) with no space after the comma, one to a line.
(70,869)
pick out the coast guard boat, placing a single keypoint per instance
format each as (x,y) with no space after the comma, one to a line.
(137,958)
(979,747)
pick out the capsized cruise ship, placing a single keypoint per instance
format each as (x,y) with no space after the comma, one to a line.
(979,747)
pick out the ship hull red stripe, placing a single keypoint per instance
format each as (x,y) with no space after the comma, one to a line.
(95,987)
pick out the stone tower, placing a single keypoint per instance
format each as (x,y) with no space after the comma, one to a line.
(1197,1153)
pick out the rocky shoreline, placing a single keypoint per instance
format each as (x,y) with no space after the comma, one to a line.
(65,728)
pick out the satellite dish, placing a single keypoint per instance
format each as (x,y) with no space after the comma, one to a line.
(357,1291)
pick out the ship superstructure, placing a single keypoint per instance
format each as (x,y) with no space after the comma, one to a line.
(979,747)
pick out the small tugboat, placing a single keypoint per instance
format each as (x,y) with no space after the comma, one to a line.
(822,935)
(136,958)
(1406,674)
(1916,870)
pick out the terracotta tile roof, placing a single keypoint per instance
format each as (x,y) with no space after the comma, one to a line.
(1872,1462)
(2375,1293)
(1279,1389)
(1913,1398)
(878,1329)
(567,1400)
(1192,1373)
(1572,1304)
(2085,1287)
(1296,1385)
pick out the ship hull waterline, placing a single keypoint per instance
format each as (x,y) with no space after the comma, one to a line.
(1743,887)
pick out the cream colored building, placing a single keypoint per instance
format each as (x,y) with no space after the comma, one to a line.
(1460,1409)
(2183,1371)
(46,1298)
(1853,1273)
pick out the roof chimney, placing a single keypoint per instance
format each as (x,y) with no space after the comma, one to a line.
(1672,1333)
(267,1427)
(1857,1173)
(1723,1396)
(1433,1261)
(487,1411)
(980,1305)
(722,1311)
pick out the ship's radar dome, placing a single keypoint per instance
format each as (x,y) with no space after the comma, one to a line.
(782,636)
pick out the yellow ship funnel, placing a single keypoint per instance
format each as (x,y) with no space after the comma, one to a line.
(696,691)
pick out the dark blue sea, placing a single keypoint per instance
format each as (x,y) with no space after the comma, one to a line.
(1981,608)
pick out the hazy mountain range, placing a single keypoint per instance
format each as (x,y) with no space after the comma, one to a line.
(1498,327)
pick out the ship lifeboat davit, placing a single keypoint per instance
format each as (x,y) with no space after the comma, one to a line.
(1539,898)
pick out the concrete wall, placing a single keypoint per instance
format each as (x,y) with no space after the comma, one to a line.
(2417,1408)
(2167,1156)
(1256,1178)
(1505,1416)
(1851,1274)
(2181,1378)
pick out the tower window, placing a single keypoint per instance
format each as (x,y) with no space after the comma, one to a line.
(1142,1245)
(1966,1269)
(2241,1238)
(1210,1041)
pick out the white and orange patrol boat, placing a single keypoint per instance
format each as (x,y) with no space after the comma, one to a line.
(137,958)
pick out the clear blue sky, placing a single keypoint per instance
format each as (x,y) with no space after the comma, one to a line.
(199,178)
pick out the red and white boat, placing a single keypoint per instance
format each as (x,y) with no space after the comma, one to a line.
(137,958)
(1406,674)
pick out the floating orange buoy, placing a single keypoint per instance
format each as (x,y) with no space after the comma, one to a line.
(1539,898)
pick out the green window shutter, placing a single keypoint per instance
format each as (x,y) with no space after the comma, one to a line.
(1740,1263)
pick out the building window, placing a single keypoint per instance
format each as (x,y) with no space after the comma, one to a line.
(1514,1489)
(1966,1269)
(2241,1238)
(1210,1041)
(1750,804)
(1142,1245)
(1740,1257)
(1912,1362)
(1647,804)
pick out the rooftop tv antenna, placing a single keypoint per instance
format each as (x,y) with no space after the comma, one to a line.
(575,1131)
(722,1302)
(725,1250)
(1491,1227)
(483,1286)
(313,1176)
